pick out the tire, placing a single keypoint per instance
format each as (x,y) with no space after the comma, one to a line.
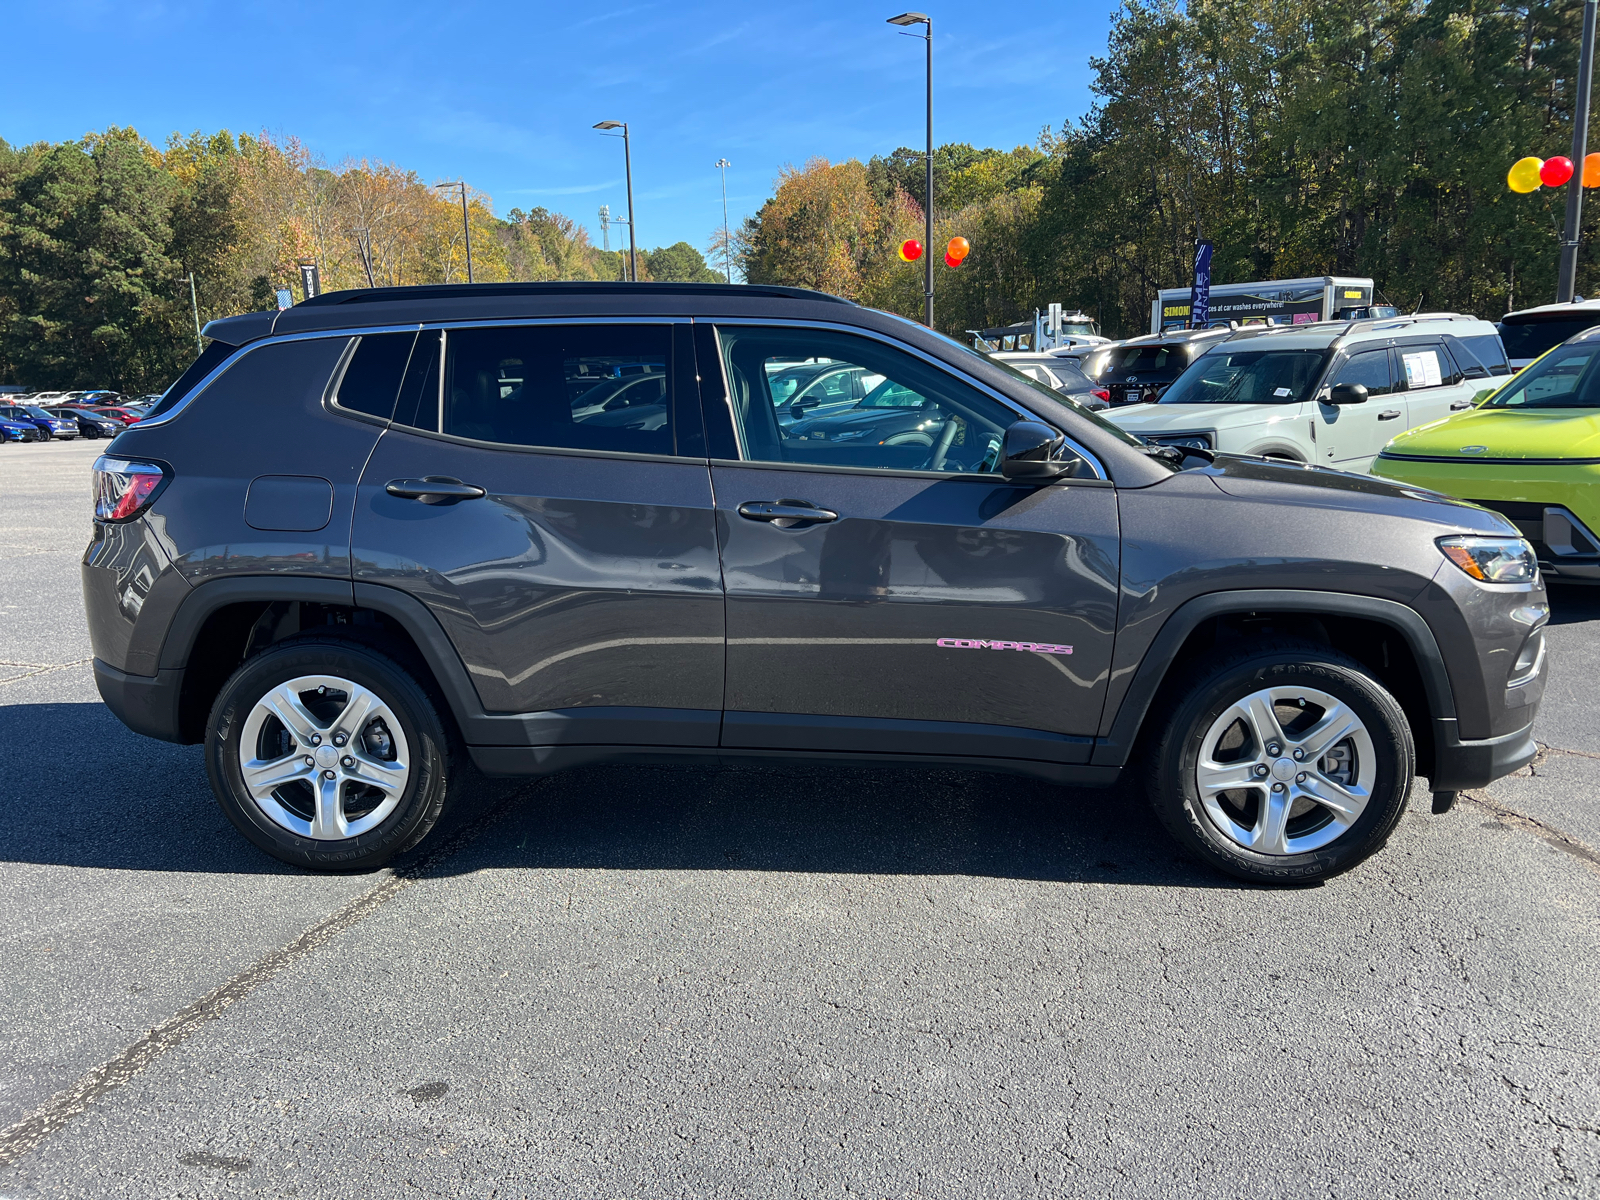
(1305,820)
(388,783)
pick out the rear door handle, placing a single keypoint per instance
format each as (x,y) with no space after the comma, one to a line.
(1458,405)
(786,514)
(1388,414)
(434,489)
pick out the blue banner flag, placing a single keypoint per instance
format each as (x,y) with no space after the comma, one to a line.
(1200,293)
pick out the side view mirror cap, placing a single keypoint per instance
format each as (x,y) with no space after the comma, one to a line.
(1031,452)
(1348,393)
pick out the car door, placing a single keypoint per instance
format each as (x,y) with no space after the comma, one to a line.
(888,591)
(568,550)
(1349,436)
(1434,386)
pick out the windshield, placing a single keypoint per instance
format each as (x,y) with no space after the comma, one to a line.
(1529,339)
(1238,376)
(890,394)
(1150,363)
(1099,422)
(39,412)
(1567,377)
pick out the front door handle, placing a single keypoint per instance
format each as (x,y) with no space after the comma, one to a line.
(434,489)
(1388,414)
(786,514)
(1458,405)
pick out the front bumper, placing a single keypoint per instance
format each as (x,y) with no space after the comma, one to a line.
(1461,765)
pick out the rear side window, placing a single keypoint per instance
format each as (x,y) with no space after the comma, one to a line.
(1425,367)
(581,387)
(372,379)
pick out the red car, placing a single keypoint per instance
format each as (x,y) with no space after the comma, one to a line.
(126,415)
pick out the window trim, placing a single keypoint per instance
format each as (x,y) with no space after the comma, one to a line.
(726,404)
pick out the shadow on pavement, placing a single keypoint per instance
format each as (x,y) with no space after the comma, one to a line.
(99,796)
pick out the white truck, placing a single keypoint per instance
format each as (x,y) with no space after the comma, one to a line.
(1270,302)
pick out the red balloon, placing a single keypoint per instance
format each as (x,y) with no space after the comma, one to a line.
(1555,171)
(910,250)
(951,262)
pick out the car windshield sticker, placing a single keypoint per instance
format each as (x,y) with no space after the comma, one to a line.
(1282,392)
(1422,369)
(979,644)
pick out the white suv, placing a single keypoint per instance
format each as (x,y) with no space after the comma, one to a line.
(1331,393)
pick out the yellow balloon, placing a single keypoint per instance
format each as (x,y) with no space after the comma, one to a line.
(1524,175)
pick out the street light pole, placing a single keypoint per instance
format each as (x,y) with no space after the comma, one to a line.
(627,167)
(1580,146)
(466,227)
(722,165)
(916,18)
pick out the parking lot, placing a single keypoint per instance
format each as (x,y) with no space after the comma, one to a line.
(751,982)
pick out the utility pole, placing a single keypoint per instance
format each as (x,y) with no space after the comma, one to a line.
(1580,148)
(916,18)
(627,166)
(199,342)
(466,227)
(722,165)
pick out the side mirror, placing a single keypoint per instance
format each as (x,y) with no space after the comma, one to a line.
(1348,393)
(1029,453)
(800,403)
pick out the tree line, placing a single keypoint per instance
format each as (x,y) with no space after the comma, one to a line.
(99,238)
(1370,138)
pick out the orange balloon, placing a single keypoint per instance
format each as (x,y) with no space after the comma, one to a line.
(1591,170)
(958,248)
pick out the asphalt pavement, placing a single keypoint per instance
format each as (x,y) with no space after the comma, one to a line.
(661,982)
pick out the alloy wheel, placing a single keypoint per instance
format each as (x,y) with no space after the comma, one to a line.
(1286,770)
(324,757)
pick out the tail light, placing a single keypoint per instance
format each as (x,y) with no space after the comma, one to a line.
(123,488)
(1103,394)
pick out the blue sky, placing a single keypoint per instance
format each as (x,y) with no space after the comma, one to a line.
(505,94)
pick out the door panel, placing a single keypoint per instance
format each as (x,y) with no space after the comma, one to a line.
(575,582)
(866,631)
(1350,435)
(1431,381)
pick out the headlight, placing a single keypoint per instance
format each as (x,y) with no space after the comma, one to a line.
(1492,560)
(1195,441)
(848,434)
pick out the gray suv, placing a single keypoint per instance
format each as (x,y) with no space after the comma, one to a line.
(381,536)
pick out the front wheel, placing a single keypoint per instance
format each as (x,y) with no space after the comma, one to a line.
(327,754)
(1286,763)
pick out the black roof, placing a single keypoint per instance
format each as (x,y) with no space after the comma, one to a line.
(492,301)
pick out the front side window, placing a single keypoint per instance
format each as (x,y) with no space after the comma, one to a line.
(1371,369)
(1243,376)
(916,417)
(1567,377)
(581,387)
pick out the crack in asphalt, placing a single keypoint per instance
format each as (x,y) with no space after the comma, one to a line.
(42,670)
(99,1081)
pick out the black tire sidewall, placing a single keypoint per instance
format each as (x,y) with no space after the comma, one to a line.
(422,799)
(1176,793)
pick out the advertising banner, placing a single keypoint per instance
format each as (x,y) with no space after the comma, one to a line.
(1200,293)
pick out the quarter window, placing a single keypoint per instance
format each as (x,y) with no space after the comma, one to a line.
(372,380)
(913,416)
(582,387)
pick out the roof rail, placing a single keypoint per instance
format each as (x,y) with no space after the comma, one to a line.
(466,291)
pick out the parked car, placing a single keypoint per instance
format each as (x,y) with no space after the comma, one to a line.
(1058,373)
(816,389)
(1530,332)
(896,414)
(1140,369)
(1331,393)
(90,424)
(20,431)
(1530,452)
(46,422)
(119,412)
(401,557)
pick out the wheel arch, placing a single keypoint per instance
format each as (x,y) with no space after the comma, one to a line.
(1343,621)
(223,622)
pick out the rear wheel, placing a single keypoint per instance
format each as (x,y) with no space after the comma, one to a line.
(1285,763)
(328,755)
